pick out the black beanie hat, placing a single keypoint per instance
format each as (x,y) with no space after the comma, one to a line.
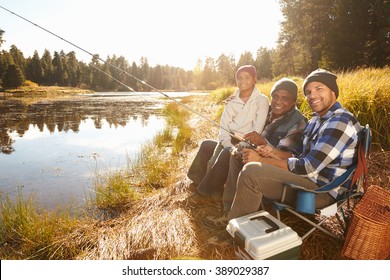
(286,84)
(322,76)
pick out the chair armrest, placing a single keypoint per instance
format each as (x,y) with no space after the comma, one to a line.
(342,179)
(305,200)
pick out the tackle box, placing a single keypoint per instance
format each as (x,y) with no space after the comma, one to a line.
(260,236)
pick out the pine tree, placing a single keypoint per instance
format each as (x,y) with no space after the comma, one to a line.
(246,58)
(18,58)
(58,70)
(47,68)
(34,71)
(226,69)
(13,77)
(1,37)
(263,64)
(73,69)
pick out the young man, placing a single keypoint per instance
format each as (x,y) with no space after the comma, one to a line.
(329,148)
(281,136)
(247,110)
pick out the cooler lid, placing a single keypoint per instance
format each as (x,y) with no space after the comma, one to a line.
(264,235)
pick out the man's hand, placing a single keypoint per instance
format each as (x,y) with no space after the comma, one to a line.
(250,155)
(265,151)
(255,138)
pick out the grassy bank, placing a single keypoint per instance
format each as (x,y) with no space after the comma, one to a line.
(32,89)
(138,213)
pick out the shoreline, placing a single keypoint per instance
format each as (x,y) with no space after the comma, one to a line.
(44,90)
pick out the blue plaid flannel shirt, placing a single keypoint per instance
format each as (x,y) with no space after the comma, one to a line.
(329,146)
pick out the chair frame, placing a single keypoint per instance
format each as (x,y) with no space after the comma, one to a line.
(353,181)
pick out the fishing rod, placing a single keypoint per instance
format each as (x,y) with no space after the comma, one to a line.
(116,80)
(96,56)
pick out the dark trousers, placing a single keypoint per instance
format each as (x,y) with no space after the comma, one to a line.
(198,168)
(210,175)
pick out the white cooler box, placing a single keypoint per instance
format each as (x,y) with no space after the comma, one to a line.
(260,236)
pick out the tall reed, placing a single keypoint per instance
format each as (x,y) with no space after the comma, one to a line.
(113,190)
(220,95)
(27,231)
(366,93)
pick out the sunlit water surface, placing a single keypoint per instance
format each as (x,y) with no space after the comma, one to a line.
(56,149)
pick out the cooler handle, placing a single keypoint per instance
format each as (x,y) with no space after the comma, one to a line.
(273,225)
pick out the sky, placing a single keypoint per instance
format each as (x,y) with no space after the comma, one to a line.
(166,32)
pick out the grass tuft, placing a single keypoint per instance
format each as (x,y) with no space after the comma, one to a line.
(29,232)
(114,190)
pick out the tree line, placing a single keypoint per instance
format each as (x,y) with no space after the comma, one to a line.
(332,34)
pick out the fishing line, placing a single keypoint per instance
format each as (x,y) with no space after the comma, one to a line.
(116,80)
(96,56)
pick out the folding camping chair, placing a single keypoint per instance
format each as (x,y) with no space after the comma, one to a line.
(353,182)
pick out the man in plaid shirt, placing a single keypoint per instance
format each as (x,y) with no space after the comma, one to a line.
(330,142)
(329,146)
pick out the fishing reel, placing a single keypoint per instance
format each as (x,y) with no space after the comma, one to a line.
(236,151)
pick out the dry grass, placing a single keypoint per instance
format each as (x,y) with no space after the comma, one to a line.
(378,169)
(160,227)
(154,228)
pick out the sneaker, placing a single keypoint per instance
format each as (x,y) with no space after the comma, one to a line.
(195,199)
(193,187)
(219,222)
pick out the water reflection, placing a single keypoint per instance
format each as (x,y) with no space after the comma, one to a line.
(55,148)
(65,115)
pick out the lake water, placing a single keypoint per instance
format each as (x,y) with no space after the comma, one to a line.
(54,149)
